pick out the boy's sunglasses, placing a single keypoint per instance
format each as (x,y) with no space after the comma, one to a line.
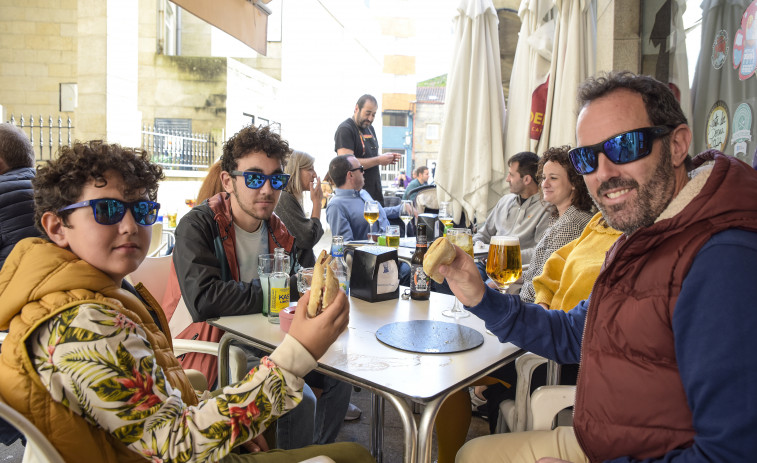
(256,180)
(620,149)
(111,211)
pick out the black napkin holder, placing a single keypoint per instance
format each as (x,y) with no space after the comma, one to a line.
(375,274)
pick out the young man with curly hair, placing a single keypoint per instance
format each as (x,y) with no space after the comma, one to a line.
(88,357)
(215,272)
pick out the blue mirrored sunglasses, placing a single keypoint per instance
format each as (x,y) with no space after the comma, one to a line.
(256,180)
(110,211)
(620,149)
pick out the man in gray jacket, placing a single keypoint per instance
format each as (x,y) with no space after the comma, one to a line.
(520,213)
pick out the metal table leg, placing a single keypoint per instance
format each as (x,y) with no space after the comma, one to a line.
(377,427)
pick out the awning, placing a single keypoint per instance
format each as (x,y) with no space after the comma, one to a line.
(246,20)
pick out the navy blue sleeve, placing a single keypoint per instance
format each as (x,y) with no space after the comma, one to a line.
(715,329)
(553,334)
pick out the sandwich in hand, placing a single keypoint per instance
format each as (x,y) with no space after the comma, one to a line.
(441,252)
(324,287)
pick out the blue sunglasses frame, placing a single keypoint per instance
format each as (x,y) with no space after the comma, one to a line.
(110,211)
(620,149)
(256,180)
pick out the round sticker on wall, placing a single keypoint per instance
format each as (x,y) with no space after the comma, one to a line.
(720,49)
(745,43)
(717,126)
(742,130)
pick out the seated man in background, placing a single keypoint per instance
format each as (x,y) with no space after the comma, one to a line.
(89,362)
(421,178)
(520,213)
(215,272)
(344,212)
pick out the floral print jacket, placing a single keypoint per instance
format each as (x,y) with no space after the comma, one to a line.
(98,363)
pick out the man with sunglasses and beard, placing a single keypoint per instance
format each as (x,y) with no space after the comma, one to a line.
(215,273)
(666,339)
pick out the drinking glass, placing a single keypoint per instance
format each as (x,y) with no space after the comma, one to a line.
(304,279)
(445,215)
(393,236)
(406,213)
(504,264)
(371,213)
(460,237)
(265,269)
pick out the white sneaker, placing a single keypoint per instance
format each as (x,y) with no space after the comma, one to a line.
(353,413)
(476,401)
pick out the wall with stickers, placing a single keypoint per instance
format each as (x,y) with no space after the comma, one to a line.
(724,93)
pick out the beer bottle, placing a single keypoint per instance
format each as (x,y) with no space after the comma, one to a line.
(420,283)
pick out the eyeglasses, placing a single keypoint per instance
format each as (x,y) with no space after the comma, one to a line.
(620,149)
(360,168)
(110,211)
(256,180)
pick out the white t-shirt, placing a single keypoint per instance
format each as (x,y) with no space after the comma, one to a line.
(248,247)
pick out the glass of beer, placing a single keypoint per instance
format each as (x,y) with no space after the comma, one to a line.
(503,264)
(393,236)
(445,215)
(371,213)
(462,238)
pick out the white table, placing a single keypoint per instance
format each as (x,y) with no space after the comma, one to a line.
(395,375)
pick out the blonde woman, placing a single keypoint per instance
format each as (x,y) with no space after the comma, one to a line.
(306,231)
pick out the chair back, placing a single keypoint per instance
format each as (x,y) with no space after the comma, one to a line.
(153,273)
(38,448)
(390,201)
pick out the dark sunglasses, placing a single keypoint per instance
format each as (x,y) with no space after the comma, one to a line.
(110,211)
(256,180)
(620,149)
(360,168)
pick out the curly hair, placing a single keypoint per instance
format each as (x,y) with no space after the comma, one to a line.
(251,139)
(61,181)
(581,199)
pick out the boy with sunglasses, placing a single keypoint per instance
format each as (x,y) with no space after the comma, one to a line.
(88,357)
(666,339)
(215,272)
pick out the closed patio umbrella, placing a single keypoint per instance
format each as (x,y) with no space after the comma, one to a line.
(471,166)
(573,60)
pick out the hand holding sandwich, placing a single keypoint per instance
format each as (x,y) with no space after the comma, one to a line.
(318,333)
(447,261)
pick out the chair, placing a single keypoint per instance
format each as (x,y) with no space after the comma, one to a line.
(38,448)
(153,274)
(519,414)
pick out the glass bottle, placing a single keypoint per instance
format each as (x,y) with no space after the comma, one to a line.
(278,287)
(420,283)
(339,264)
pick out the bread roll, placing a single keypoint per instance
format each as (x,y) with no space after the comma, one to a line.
(441,252)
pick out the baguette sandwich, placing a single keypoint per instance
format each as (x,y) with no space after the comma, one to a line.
(324,287)
(441,252)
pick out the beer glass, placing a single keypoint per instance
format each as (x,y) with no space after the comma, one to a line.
(445,215)
(503,264)
(393,236)
(459,237)
(371,213)
(406,213)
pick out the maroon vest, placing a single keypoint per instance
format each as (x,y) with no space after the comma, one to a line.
(630,399)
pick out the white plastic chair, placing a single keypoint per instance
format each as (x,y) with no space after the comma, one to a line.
(532,411)
(153,273)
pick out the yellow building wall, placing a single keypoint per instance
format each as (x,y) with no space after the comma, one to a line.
(38,51)
(399,64)
(397,101)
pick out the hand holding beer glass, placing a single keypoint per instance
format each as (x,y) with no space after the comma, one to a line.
(371,213)
(503,264)
(462,238)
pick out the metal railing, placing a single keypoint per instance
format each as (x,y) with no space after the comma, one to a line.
(179,150)
(36,133)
